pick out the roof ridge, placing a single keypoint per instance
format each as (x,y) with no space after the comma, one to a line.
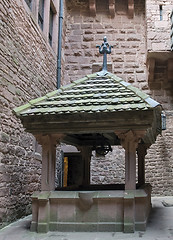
(66,87)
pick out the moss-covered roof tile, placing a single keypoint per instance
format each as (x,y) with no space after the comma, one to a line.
(90,94)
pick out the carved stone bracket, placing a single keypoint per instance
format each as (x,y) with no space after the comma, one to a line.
(131,8)
(53,138)
(112,8)
(92,7)
(130,136)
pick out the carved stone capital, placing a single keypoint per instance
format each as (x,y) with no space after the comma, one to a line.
(54,139)
(130,137)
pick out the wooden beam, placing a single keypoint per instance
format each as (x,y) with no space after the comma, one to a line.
(131,8)
(112,8)
(92,7)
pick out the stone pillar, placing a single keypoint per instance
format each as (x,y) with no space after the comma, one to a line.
(141,152)
(86,158)
(48,143)
(129,141)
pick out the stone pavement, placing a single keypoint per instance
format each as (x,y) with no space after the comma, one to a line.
(160,227)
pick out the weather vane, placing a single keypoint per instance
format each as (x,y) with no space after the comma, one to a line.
(104,49)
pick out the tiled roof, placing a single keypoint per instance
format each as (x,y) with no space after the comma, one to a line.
(91,94)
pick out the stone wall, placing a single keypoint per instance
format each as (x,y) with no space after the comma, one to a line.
(158,24)
(132,38)
(28,70)
(159,161)
(109,169)
(127,36)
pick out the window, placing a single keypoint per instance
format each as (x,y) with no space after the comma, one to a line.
(29,3)
(45,11)
(41,13)
(51,25)
(161,12)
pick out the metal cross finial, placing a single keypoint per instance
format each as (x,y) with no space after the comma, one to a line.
(104,49)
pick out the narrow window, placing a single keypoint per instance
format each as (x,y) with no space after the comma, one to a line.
(172,30)
(29,3)
(41,13)
(51,26)
(161,12)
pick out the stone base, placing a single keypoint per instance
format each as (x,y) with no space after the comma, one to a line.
(92,211)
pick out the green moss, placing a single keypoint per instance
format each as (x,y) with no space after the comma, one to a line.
(18,110)
(18,92)
(37,100)
(15,60)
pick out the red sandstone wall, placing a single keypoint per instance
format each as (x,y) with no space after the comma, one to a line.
(158,31)
(132,38)
(84,32)
(28,67)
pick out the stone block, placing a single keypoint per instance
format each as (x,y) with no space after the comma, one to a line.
(86,227)
(86,26)
(66,211)
(4,137)
(74,38)
(88,38)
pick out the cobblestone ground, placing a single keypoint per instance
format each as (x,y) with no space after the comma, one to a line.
(160,227)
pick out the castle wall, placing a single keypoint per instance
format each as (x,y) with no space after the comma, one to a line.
(127,35)
(158,24)
(132,38)
(28,70)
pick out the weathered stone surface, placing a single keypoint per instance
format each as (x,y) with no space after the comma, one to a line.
(28,66)
(158,30)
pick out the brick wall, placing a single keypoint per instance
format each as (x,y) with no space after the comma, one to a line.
(28,70)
